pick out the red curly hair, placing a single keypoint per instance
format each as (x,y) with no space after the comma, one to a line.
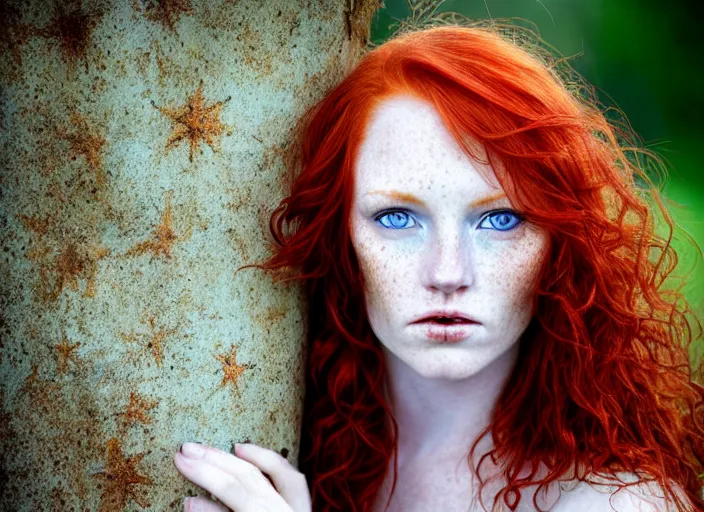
(604,383)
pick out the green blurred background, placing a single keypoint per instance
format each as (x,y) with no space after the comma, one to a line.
(641,55)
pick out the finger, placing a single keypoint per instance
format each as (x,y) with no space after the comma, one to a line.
(290,483)
(223,486)
(240,492)
(203,504)
(245,471)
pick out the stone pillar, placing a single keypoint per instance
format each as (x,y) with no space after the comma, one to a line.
(141,155)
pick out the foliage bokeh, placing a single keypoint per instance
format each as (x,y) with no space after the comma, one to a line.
(638,55)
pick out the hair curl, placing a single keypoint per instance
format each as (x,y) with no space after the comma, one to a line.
(604,382)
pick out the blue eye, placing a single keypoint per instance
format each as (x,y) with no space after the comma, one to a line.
(503,220)
(397,221)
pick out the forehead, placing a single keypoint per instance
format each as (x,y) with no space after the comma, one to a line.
(406,140)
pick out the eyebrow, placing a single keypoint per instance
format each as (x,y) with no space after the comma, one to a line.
(410,198)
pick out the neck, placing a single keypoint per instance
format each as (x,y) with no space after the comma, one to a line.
(436,416)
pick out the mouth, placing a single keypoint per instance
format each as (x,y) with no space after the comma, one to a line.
(446,317)
(445,321)
(447,330)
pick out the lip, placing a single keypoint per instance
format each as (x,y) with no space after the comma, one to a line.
(444,313)
(449,333)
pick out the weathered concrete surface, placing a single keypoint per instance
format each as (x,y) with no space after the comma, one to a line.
(140,158)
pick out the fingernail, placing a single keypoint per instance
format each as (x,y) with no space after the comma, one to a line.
(185,504)
(192,450)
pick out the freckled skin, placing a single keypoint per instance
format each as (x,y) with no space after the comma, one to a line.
(437,256)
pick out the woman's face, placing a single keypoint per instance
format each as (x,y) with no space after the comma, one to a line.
(431,234)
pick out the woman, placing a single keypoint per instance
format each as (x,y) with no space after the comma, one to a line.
(489,330)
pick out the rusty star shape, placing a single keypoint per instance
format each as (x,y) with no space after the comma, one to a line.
(119,478)
(195,121)
(14,33)
(137,410)
(69,265)
(154,340)
(232,371)
(85,142)
(167,12)
(164,235)
(72,26)
(65,354)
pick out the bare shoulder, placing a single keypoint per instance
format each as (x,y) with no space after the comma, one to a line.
(607,497)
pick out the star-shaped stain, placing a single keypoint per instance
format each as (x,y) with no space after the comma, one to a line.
(39,227)
(137,409)
(153,340)
(65,354)
(85,141)
(72,26)
(232,371)
(195,121)
(5,419)
(14,33)
(119,479)
(68,266)
(73,261)
(167,12)
(164,235)
(41,393)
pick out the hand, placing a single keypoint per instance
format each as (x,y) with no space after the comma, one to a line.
(238,482)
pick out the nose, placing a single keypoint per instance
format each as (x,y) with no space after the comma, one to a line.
(448,265)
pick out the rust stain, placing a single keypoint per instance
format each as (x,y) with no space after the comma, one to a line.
(153,341)
(195,121)
(270,316)
(119,479)
(68,265)
(40,392)
(166,12)
(232,371)
(65,354)
(63,424)
(14,33)
(59,499)
(259,61)
(71,263)
(137,410)
(38,226)
(164,235)
(5,419)
(85,142)
(240,243)
(71,26)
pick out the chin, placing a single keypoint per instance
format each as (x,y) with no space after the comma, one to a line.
(447,371)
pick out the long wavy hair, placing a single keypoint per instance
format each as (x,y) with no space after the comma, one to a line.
(604,382)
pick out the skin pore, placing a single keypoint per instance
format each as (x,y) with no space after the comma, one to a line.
(431,233)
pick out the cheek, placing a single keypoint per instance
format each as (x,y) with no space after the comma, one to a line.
(383,277)
(521,276)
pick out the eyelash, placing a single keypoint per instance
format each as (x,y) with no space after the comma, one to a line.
(492,213)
